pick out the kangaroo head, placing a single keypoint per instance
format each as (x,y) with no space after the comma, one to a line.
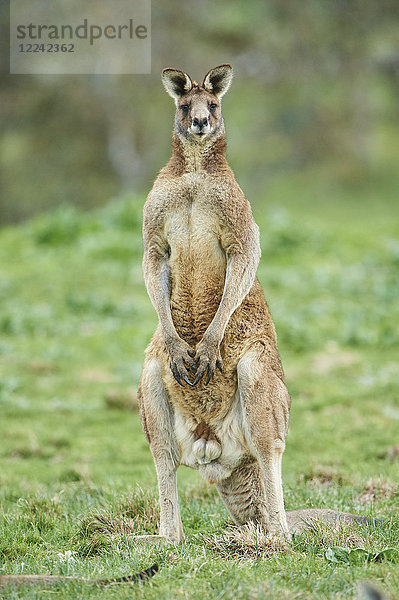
(198,110)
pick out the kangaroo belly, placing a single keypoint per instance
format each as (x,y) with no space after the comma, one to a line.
(215,447)
(197,270)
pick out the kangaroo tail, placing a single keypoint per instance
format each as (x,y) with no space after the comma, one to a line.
(298,520)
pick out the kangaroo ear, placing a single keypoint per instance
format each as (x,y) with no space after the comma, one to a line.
(176,83)
(217,81)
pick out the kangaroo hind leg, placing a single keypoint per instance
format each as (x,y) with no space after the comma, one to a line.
(158,423)
(242,494)
(265,404)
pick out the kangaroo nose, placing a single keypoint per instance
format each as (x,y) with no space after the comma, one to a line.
(200,122)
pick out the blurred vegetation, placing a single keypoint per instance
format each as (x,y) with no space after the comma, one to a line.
(315,91)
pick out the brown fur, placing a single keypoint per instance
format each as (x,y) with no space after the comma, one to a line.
(212,393)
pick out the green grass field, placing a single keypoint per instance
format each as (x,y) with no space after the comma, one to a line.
(76,476)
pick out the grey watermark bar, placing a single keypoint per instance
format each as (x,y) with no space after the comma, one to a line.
(75,37)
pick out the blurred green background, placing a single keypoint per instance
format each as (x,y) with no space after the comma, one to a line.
(314,103)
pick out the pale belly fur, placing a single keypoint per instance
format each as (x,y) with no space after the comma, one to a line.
(197,265)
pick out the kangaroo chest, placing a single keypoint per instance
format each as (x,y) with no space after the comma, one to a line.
(192,225)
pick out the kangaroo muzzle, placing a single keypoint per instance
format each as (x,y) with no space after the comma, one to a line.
(200,125)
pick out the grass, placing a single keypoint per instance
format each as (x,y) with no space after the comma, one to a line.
(77,480)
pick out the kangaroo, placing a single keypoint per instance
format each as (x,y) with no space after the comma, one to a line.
(212,394)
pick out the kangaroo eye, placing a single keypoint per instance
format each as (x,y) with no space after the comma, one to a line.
(184,107)
(213,106)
